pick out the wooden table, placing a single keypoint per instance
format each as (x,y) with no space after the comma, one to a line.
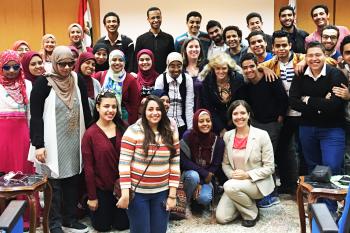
(312,194)
(29,187)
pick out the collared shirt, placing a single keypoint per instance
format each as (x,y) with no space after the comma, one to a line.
(118,40)
(308,72)
(215,49)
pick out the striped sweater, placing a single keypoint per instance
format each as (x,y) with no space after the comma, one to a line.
(161,173)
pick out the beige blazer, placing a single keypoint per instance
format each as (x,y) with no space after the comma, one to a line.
(259,158)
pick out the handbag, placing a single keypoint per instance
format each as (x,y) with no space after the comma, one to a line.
(321,174)
(117,191)
(179,211)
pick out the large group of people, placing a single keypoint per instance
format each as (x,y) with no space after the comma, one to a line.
(223,115)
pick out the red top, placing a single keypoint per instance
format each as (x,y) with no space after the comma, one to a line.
(100,159)
(240,143)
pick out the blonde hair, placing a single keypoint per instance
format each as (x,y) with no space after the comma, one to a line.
(221,59)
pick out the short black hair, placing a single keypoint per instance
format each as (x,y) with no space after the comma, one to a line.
(193,14)
(319,6)
(252,15)
(232,28)
(153,8)
(213,23)
(330,27)
(110,14)
(255,33)
(345,41)
(280,34)
(283,8)
(315,44)
(248,56)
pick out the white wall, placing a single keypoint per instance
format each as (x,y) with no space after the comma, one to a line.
(134,22)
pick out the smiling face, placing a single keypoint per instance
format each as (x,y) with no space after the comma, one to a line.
(193,49)
(215,34)
(204,123)
(175,68)
(320,17)
(255,24)
(36,66)
(329,39)
(107,109)
(49,44)
(281,47)
(153,113)
(117,64)
(240,116)
(22,49)
(315,59)
(101,56)
(145,62)
(193,24)
(250,70)
(65,67)
(75,35)
(11,69)
(155,19)
(232,39)
(111,24)
(287,18)
(221,72)
(346,53)
(166,102)
(258,45)
(88,67)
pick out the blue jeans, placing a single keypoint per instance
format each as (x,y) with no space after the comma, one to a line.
(191,180)
(147,213)
(323,146)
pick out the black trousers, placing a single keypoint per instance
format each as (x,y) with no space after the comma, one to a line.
(64,201)
(107,215)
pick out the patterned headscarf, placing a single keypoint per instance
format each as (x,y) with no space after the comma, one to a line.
(15,87)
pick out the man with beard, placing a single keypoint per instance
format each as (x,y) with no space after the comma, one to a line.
(217,45)
(193,22)
(115,40)
(329,39)
(254,24)
(320,16)
(233,39)
(257,45)
(159,42)
(297,36)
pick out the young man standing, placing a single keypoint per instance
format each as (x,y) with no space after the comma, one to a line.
(320,16)
(193,22)
(255,24)
(269,103)
(217,45)
(115,40)
(233,39)
(257,45)
(297,36)
(159,42)
(329,39)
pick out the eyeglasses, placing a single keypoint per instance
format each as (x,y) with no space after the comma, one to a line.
(326,37)
(64,64)
(8,67)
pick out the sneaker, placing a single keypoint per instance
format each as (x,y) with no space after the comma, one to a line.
(268,201)
(76,227)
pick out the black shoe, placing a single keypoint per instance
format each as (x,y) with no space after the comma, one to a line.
(76,227)
(250,223)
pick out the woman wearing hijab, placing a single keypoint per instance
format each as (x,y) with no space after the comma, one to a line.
(32,65)
(85,67)
(47,46)
(21,46)
(147,74)
(76,36)
(123,84)
(59,114)
(100,51)
(201,156)
(14,94)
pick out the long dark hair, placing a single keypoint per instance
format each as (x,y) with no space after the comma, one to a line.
(163,127)
(201,58)
(121,125)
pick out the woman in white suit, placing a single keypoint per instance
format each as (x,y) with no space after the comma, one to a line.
(248,164)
